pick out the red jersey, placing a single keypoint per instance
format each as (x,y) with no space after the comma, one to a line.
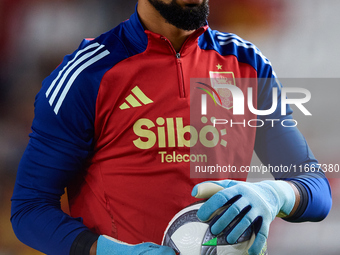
(139,174)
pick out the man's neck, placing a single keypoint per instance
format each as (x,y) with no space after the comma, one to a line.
(154,22)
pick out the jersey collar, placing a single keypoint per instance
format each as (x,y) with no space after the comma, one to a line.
(142,39)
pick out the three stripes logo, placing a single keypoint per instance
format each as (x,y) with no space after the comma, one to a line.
(135,99)
(61,85)
(225,39)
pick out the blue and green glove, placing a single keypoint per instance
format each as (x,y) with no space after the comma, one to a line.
(109,246)
(258,203)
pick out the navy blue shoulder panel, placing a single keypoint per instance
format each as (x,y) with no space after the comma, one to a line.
(68,96)
(244,51)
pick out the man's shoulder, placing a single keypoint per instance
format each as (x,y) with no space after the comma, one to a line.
(232,44)
(124,40)
(111,40)
(80,73)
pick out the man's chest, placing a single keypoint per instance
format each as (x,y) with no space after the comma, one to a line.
(166,107)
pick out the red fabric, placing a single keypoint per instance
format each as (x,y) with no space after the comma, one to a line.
(131,194)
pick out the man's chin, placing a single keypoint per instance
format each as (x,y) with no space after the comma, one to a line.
(180,13)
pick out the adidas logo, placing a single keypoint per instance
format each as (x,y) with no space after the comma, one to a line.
(136,99)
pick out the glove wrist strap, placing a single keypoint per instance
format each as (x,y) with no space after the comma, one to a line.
(286,196)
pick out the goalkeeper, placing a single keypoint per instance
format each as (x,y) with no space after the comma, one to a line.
(109,113)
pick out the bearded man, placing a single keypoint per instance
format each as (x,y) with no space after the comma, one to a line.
(113,125)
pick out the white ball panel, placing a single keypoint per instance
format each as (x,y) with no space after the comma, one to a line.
(188,238)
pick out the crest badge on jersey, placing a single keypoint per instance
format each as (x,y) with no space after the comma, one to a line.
(218,79)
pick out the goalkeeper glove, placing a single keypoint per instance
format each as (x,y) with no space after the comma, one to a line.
(258,204)
(109,246)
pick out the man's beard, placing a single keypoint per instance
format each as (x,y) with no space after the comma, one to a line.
(186,18)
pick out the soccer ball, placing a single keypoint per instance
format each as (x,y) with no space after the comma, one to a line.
(187,235)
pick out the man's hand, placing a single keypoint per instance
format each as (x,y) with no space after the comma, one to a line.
(258,204)
(109,246)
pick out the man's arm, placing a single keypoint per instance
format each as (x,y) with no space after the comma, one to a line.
(37,218)
(285,146)
(295,196)
(60,143)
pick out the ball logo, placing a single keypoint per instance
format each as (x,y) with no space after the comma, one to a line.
(187,235)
